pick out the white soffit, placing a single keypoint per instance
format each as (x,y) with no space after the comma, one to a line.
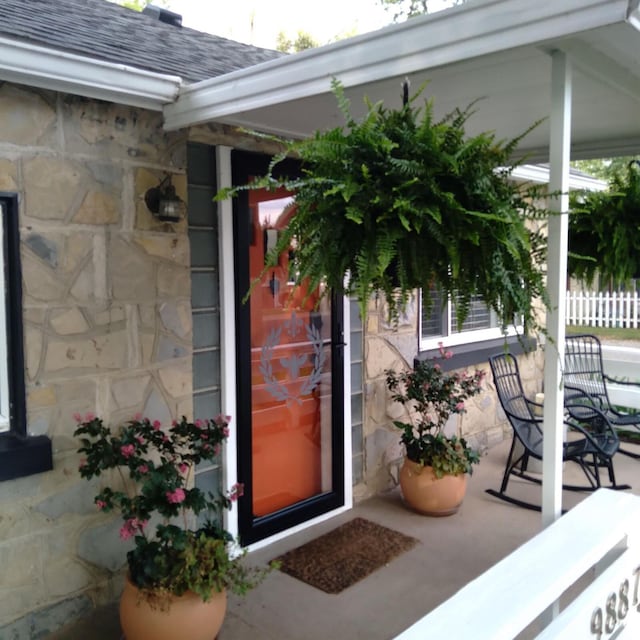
(35,66)
(495,50)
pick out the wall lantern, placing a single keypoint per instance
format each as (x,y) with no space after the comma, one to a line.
(163,202)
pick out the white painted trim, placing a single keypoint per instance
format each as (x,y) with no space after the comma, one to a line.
(559,148)
(227,329)
(348,463)
(540,175)
(282,535)
(424,42)
(56,70)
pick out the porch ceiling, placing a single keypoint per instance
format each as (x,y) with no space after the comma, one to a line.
(493,50)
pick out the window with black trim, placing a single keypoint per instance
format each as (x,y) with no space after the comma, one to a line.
(20,453)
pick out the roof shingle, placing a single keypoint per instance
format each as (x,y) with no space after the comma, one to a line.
(103,30)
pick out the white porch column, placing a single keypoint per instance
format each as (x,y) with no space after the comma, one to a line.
(559,153)
(227,330)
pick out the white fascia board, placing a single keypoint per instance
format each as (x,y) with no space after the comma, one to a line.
(540,175)
(47,68)
(464,32)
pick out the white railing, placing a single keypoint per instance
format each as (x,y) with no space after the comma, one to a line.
(622,363)
(590,309)
(598,537)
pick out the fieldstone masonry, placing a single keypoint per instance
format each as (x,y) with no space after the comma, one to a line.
(107,323)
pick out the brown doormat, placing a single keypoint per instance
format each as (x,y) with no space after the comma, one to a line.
(342,557)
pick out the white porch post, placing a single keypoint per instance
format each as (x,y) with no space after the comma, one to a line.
(559,153)
(227,329)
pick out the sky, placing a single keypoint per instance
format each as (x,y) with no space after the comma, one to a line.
(323,19)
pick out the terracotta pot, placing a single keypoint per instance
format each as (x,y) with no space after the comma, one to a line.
(431,496)
(186,617)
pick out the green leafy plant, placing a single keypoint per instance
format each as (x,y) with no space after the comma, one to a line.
(398,201)
(604,229)
(430,397)
(174,550)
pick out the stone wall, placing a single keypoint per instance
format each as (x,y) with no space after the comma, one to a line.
(395,347)
(107,323)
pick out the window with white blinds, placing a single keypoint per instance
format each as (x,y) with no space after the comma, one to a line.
(438,322)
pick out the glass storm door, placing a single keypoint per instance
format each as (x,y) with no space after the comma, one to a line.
(290,389)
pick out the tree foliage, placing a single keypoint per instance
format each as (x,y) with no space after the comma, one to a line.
(604,229)
(403,9)
(604,168)
(399,201)
(303,41)
(139,5)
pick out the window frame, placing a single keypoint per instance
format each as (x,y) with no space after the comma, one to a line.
(458,338)
(20,453)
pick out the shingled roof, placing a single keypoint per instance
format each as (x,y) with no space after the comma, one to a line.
(106,31)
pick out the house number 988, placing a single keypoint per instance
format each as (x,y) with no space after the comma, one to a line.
(616,608)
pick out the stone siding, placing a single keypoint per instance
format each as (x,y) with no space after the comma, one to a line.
(107,324)
(395,347)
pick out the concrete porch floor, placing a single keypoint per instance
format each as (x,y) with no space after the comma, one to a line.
(452,551)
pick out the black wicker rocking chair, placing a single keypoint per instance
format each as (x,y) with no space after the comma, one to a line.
(585,387)
(591,450)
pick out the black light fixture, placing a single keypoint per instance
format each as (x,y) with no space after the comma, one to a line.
(163,202)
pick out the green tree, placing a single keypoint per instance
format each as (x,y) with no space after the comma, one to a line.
(403,9)
(304,40)
(604,168)
(139,5)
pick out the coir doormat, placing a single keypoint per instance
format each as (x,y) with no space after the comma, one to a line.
(342,557)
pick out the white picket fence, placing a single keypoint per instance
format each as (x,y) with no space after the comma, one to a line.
(590,309)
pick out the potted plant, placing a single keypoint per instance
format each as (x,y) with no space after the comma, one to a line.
(398,201)
(604,233)
(434,474)
(183,560)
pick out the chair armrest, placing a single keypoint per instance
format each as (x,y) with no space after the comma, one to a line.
(631,383)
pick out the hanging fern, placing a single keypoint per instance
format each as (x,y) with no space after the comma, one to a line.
(397,201)
(604,230)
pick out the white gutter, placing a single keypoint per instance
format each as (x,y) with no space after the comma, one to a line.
(46,68)
(446,37)
(540,175)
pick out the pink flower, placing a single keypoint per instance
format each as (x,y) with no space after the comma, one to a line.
(237,491)
(101,504)
(131,527)
(225,432)
(143,468)
(448,355)
(436,367)
(83,463)
(216,450)
(221,420)
(77,417)
(140,439)
(183,468)
(156,425)
(176,496)
(174,423)
(199,423)
(89,417)
(127,450)
(460,406)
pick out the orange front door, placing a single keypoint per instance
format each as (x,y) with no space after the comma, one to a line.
(289,386)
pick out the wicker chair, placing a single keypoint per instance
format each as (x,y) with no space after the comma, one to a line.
(585,386)
(591,450)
